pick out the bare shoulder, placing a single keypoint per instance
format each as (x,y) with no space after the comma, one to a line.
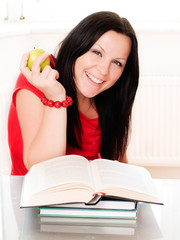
(26,95)
(26,101)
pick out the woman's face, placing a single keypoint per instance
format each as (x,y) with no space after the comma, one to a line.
(100,67)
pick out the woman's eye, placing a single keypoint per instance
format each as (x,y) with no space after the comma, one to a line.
(118,63)
(97,53)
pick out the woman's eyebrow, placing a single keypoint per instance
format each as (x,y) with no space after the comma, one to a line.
(100,47)
(122,58)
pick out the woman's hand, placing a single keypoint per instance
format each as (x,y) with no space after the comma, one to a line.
(46,81)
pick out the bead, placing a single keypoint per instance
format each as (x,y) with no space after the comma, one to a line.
(57,104)
(50,103)
(65,103)
(43,97)
(44,100)
(70,101)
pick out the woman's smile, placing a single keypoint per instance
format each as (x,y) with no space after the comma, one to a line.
(93,78)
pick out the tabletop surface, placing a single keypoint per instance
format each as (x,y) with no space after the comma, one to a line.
(153,221)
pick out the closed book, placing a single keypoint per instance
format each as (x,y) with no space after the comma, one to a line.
(87,213)
(87,221)
(104,203)
(95,230)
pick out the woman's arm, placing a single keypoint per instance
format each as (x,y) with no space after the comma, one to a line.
(43,128)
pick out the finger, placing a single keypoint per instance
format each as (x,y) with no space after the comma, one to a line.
(24,60)
(46,71)
(49,72)
(23,66)
(38,61)
(54,74)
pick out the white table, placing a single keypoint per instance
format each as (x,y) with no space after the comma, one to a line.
(153,221)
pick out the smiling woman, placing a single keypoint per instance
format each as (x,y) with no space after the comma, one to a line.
(156,113)
(97,66)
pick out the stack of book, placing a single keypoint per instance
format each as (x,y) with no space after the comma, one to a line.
(107,217)
(105,208)
(70,189)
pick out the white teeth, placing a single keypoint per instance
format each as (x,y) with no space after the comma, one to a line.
(93,78)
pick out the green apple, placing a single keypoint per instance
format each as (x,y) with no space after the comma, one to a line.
(33,54)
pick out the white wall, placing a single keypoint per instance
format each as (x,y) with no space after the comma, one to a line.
(71,12)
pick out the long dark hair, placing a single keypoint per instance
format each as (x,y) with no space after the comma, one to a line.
(114,105)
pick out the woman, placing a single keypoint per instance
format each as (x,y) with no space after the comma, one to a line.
(97,66)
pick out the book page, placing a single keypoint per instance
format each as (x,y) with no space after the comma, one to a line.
(113,174)
(63,170)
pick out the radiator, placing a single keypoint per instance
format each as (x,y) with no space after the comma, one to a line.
(155,136)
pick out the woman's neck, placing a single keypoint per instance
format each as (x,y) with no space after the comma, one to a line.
(87,107)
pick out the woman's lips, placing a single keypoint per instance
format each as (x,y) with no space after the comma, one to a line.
(94,79)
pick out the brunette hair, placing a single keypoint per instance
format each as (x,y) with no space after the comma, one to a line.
(114,105)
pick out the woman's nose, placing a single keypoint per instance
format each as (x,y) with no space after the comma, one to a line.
(104,67)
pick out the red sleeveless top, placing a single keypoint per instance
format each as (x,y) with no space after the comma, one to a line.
(91,138)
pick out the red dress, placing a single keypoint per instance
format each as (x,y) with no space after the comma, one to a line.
(91,139)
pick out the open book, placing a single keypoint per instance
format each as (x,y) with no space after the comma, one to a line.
(74,179)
